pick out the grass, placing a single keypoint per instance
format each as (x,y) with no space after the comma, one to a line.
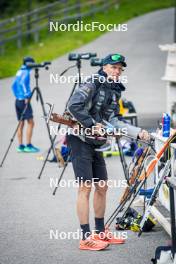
(55,44)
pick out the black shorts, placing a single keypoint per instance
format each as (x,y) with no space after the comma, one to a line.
(20,106)
(88,164)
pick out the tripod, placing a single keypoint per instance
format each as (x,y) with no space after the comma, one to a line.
(77,58)
(38,97)
(78,65)
(62,173)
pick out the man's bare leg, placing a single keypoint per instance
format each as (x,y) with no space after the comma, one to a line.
(100,205)
(83,203)
(30,125)
(20,132)
(83,215)
(83,209)
(100,200)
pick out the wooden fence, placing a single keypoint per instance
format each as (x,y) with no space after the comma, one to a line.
(30,24)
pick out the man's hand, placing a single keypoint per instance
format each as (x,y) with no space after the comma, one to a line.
(76,129)
(26,101)
(98,129)
(172,131)
(144,135)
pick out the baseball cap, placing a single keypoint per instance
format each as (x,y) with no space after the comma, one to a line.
(28,59)
(114,59)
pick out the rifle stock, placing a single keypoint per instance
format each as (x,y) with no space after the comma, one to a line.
(158,156)
(64,120)
(135,173)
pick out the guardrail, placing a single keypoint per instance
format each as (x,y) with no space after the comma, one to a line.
(30,24)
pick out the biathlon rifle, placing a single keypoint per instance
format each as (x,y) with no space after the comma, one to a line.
(66,119)
(164,174)
(139,179)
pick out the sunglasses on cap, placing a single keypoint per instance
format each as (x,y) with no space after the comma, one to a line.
(118,57)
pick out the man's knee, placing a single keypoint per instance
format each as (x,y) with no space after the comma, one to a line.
(31,122)
(84,189)
(101,187)
(21,125)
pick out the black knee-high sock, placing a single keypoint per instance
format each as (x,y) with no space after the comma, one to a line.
(99,225)
(85,231)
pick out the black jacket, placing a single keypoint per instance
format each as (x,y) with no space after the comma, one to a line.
(96,100)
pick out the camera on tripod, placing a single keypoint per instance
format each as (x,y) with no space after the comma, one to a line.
(81,56)
(33,65)
(29,62)
(96,62)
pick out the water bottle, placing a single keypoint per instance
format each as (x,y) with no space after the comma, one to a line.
(166,125)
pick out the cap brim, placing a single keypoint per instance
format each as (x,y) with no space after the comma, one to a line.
(116,62)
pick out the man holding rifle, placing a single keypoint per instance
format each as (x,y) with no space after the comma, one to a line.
(94,102)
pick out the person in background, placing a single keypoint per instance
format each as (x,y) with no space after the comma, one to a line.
(22,92)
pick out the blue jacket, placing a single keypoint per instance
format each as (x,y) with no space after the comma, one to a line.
(21,84)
